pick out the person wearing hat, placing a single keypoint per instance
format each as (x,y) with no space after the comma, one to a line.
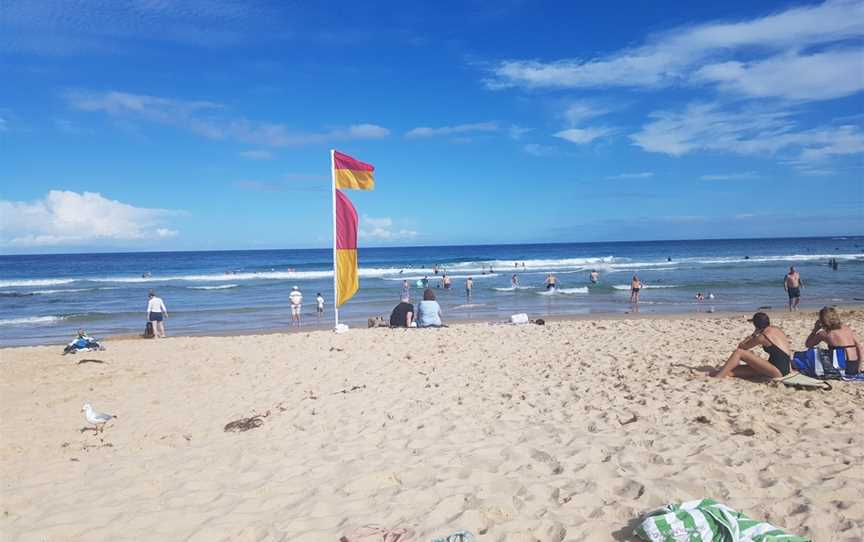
(772,340)
(296,299)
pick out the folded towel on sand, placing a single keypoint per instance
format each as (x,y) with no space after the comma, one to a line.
(707,521)
(800,380)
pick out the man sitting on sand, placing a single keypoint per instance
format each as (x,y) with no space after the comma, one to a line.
(772,340)
(403,314)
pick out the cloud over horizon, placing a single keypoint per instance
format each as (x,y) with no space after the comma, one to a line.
(70,218)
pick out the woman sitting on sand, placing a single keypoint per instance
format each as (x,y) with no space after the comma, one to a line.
(428,310)
(772,340)
(830,330)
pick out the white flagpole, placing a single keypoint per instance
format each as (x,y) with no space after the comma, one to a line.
(335,286)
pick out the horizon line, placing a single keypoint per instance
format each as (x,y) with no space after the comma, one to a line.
(2,255)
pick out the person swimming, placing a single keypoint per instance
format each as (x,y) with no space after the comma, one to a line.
(514,281)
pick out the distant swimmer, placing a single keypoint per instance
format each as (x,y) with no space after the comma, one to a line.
(491,271)
(669,258)
(594,276)
(699,297)
(425,282)
(792,283)
(635,287)
(514,280)
(447,282)
(469,286)
(551,281)
(523,265)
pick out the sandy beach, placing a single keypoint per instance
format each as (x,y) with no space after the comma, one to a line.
(567,431)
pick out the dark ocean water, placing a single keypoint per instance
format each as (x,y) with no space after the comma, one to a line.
(45,298)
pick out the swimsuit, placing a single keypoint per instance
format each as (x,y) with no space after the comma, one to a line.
(794,292)
(777,357)
(852,367)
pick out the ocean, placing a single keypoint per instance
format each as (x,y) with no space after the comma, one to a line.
(44,299)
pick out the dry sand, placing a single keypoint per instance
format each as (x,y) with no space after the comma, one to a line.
(562,432)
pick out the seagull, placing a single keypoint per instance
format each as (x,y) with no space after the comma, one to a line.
(96,418)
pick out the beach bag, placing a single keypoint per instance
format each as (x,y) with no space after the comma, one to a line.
(148,330)
(820,362)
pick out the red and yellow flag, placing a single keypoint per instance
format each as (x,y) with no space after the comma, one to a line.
(352,174)
(348,173)
(347,282)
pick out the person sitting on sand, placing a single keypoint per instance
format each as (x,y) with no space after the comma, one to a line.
(830,330)
(429,311)
(772,340)
(403,314)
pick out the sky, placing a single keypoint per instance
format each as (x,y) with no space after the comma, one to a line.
(198,125)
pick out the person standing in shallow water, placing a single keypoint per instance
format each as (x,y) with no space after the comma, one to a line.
(792,283)
(156,314)
(469,287)
(296,298)
(635,288)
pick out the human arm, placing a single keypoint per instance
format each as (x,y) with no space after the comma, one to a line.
(164,309)
(817,335)
(409,317)
(751,342)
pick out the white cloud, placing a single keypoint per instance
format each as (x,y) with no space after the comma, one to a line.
(70,218)
(516,132)
(210,120)
(537,149)
(382,229)
(730,176)
(257,154)
(583,136)
(675,57)
(424,131)
(749,131)
(580,111)
(831,74)
(641,175)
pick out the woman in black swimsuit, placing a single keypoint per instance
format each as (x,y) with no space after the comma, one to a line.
(830,330)
(772,340)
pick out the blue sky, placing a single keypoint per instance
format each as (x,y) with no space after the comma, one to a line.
(157,125)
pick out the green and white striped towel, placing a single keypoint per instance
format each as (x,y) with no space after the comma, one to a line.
(707,521)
